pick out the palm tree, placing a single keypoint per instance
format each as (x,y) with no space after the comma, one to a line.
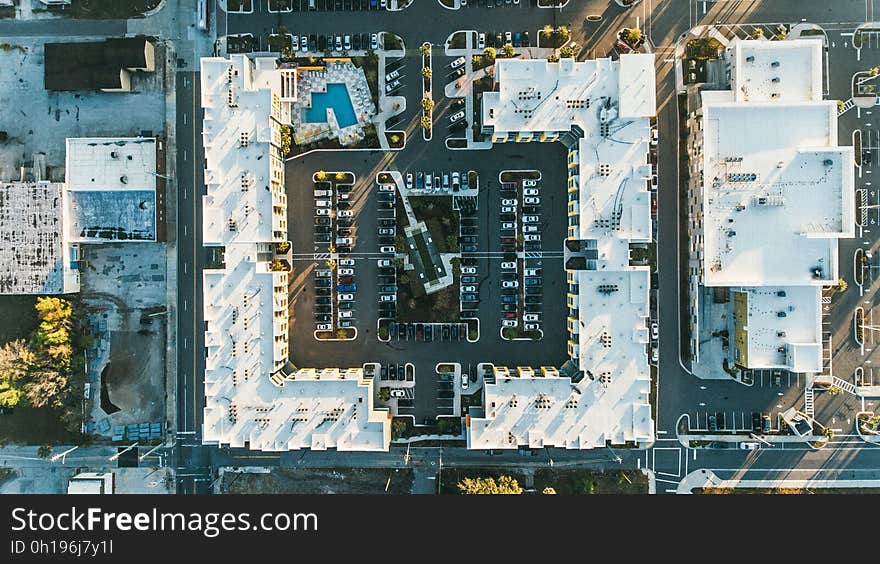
(426,72)
(758,33)
(425,122)
(547,31)
(340,176)
(425,50)
(427,104)
(321,175)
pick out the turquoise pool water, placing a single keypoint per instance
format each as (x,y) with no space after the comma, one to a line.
(337,98)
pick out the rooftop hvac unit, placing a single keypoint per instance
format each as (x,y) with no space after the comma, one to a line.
(774,64)
(123,179)
(114,155)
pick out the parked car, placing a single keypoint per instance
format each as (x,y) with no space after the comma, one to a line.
(392,86)
(398,393)
(456,116)
(508,209)
(374,41)
(468,270)
(392,75)
(345,297)
(530,317)
(532,281)
(655,331)
(532,201)
(530,219)
(345,213)
(510,284)
(388,298)
(508,265)
(324,327)
(528,182)
(468,289)
(387,250)
(468,279)
(532,237)
(346,314)
(481,41)
(457,62)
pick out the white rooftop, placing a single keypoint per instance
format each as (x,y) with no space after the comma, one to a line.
(237,99)
(777,193)
(538,96)
(127,163)
(792,341)
(785,71)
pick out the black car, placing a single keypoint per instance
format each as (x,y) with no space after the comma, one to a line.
(343,205)
(469,262)
(346,305)
(387,271)
(508,275)
(323,237)
(411,331)
(866,157)
(401,372)
(323,317)
(429,333)
(458,103)
(532,308)
(387,280)
(322,291)
(383,370)
(322,283)
(386,196)
(343,231)
(344,250)
(468,239)
(385,205)
(533,299)
(507,217)
(392,371)
(365,39)
(313,42)
(508,307)
(323,229)
(344,223)
(386,241)
(356,42)
(534,290)
(329,37)
(322,42)
(756,422)
(323,309)
(322,221)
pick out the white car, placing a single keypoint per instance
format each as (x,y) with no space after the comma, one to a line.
(531,272)
(508,265)
(456,116)
(468,269)
(383,262)
(530,317)
(391,86)
(346,272)
(751,445)
(508,202)
(655,355)
(481,41)
(468,288)
(303,43)
(409,181)
(346,314)
(387,249)
(388,298)
(429,182)
(344,196)
(464,381)
(386,187)
(530,219)
(392,75)
(529,182)
(655,331)
(510,284)
(347,43)
(508,37)
(531,327)
(532,201)
(345,213)
(398,394)
(457,62)
(322,211)
(324,327)
(508,225)
(654,136)
(530,228)
(346,262)
(531,192)
(346,297)
(323,273)
(345,241)
(323,193)
(532,237)
(508,209)
(322,203)
(374,41)
(295,43)
(509,323)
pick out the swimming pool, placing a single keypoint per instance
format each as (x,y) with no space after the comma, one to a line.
(337,98)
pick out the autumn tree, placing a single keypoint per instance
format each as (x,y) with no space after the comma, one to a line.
(504,485)
(508,50)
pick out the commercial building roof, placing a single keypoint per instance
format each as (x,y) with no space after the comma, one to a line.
(94,65)
(777,192)
(535,95)
(778,327)
(125,163)
(785,71)
(33,255)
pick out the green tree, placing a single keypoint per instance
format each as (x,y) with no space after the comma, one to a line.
(508,50)
(426,72)
(286,139)
(384,394)
(490,53)
(425,122)
(15,358)
(829,433)
(276,266)
(398,428)
(45,451)
(480,486)
(383,332)
(425,49)
(634,37)
(427,104)
(564,34)
(321,175)
(842,285)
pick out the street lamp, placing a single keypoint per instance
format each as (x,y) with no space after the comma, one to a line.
(120,453)
(61,455)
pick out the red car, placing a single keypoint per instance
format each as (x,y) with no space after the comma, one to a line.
(510,315)
(346,279)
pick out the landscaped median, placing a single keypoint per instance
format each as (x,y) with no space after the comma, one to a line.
(427,100)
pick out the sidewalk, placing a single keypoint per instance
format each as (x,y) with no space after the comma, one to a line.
(707,478)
